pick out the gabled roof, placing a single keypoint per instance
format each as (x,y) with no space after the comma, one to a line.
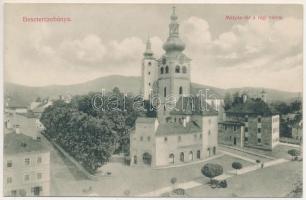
(177,129)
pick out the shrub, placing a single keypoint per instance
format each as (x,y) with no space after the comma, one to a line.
(236,165)
(293,153)
(212,170)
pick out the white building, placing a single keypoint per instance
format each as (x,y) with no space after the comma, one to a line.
(26,166)
(183,131)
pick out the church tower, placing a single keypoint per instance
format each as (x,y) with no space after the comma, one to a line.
(174,68)
(149,72)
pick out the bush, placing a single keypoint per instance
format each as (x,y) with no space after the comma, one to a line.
(294,153)
(212,170)
(236,165)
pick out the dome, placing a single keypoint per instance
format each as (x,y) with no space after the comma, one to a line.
(174,44)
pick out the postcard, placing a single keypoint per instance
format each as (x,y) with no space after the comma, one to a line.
(153,100)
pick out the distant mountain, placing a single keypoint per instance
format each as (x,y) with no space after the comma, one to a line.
(25,94)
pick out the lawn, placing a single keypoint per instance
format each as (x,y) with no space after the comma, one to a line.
(276,181)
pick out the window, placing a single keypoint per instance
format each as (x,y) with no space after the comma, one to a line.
(259,140)
(36,190)
(198,154)
(259,119)
(246,129)
(246,139)
(9,163)
(161,70)
(149,63)
(39,176)
(246,119)
(149,84)
(181,90)
(27,177)
(182,157)
(167,69)
(14,193)
(149,73)
(39,160)
(184,69)
(27,161)
(165,139)
(9,180)
(225,127)
(149,138)
(179,138)
(177,69)
(165,91)
(235,128)
(171,158)
(259,130)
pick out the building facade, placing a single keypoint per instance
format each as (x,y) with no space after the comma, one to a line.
(250,124)
(181,132)
(26,166)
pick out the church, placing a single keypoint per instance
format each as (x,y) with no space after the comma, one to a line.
(181,132)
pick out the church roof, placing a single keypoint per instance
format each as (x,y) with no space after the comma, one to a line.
(193,106)
(172,128)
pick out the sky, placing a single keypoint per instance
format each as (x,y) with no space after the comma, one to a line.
(108,39)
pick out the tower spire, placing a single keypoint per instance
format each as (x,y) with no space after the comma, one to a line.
(148,53)
(174,43)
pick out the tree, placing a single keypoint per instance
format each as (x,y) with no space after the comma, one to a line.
(212,170)
(236,165)
(173,181)
(295,106)
(237,99)
(294,153)
(228,101)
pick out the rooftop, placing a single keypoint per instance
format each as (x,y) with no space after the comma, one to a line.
(19,143)
(177,129)
(232,123)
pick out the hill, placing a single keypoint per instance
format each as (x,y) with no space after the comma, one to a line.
(25,94)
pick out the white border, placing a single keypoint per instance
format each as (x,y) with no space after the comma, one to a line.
(130,2)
